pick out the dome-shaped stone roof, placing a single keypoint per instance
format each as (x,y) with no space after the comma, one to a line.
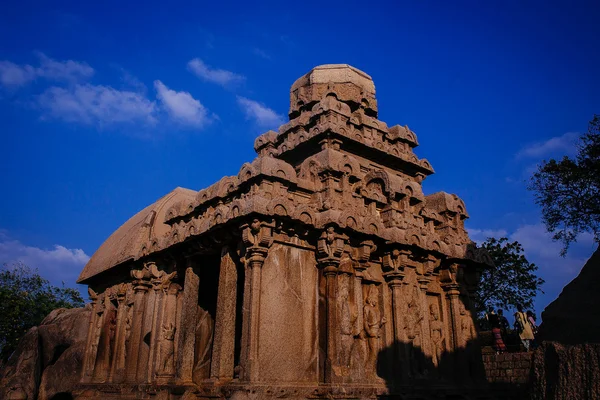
(125,243)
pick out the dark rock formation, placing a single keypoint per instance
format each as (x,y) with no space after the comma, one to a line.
(574,317)
(567,364)
(49,357)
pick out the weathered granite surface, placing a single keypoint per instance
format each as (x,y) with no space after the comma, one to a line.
(49,358)
(564,372)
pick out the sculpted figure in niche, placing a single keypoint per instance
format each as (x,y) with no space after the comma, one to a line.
(437,333)
(329,240)
(123,350)
(373,322)
(465,324)
(167,350)
(203,350)
(345,324)
(412,326)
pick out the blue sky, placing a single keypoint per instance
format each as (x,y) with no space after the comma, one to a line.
(107,106)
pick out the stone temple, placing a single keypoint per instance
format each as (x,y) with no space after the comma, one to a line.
(320,271)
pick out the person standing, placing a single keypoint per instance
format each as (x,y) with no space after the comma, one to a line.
(504,325)
(523,327)
(494,322)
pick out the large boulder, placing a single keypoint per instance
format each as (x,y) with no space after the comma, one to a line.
(574,317)
(49,358)
(567,364)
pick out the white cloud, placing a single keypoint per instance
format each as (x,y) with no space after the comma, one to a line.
(181,106)
(56,264)
(564,144)
(480,235)
(538,242)
(261,114)
(15,75)
(219,76)
(95,104)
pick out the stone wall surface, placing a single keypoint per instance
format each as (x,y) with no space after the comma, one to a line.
(288,344)
(508,368)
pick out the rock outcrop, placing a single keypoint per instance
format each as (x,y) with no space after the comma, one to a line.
(567,364)
(566,372)
(574,317)
(48,360)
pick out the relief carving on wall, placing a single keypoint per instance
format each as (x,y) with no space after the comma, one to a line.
(373,322)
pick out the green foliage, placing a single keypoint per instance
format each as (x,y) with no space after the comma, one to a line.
(569,190)
(25,300)
(511,282)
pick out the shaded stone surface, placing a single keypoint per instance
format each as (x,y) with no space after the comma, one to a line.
(566,372)
(567,364)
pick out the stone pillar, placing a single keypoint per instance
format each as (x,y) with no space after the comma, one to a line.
(165,359)
(257,237)
(329,251)
(118,354)
(106,339)
(393,272)
(140,288)
(92,337)
(224,339)
(187,327)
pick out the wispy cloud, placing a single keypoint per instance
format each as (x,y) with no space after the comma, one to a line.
(261,53)
(58,263)
(15,75)
(480,235)
(262,115)
(181,106)
(68,70)
(96,105)
(219,76)
(564,144)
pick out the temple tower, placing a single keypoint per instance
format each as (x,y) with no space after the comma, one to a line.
(320,271)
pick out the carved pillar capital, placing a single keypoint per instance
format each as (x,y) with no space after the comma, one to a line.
(330,247)
(257,237)
(365,249)
(393,264)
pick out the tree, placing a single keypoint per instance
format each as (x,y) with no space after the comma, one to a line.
(569,190)
(25,300)
(512,281)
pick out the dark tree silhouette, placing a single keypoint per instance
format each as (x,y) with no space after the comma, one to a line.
(512,281)
(25,300)
(569,190)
